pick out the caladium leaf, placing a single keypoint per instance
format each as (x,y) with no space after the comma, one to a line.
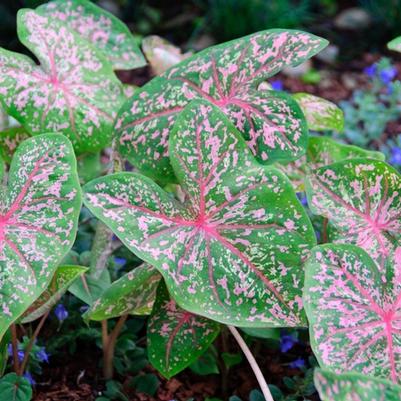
(353,308)
(323,151)
(62,279)
(228,76)
(133,293)
(354,387)
(38,221)
(233,252)
(161,54)
(321,114)
(106,32)
(362,202)
(176,338)
(73,91)
(9,141)
(395,44)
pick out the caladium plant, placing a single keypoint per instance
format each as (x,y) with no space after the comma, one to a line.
(233,251)
(110,35)
(176,338)
(353,307)
(228,76)
(73,91)
(39,211)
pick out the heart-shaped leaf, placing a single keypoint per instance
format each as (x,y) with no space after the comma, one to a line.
(9,141)
(362,202)
(73,91)
(234,251)
(106,32)
(323,151)
(228,76)
(353,308)
(15,388)
(321,115)
(38,221)
(62,279)
(354,387)
(176,338)
(161,54)
(133,293)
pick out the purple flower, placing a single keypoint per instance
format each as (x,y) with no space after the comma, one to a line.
(29,377)
(21,353)
(302,198)
(395,156)
(277,84)
(287,341)
(388,74)
(42,355)
(120,261)
(60,312)
(371,70)
(297,364)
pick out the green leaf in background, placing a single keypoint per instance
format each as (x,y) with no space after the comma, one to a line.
(73,91)
(176,338)
(4,352)
(321,114)
(395,44)
(10,138)
(267,334)
(15,388)
(323,151)
(146,383)
(105,31)
(353,307)
(361,200)
(133,293)
(62,279)
(234,251)
(89,166)
(227,75)
(39,216)
(354,387)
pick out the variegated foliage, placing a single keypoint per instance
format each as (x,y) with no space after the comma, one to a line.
(133,293)
(320,114)
(354,310)
(228,76)
(322,151)
(62,279)
(361,199)
(10,138)
(176,338)
(354,387)
(395,44)
(110,35)
(38,221)
(234,250)
(73,91)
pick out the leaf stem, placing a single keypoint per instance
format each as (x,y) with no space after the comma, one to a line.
(252,361)
(32,340)
(109,345)
(14,343)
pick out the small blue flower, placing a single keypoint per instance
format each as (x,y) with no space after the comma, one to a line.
(388,74)
(297,364)
(287,341)
(302,198)
(395,156)
(60,312)
(21,353)
(277,84)
(42,355)
(29,377)
(371,70)
(120,261)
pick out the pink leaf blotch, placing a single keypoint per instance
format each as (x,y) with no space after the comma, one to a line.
(228,76)
(73,91)
(354,310)
(106,32)
(233,251)
(176,338)
(362,202)
(38,221)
